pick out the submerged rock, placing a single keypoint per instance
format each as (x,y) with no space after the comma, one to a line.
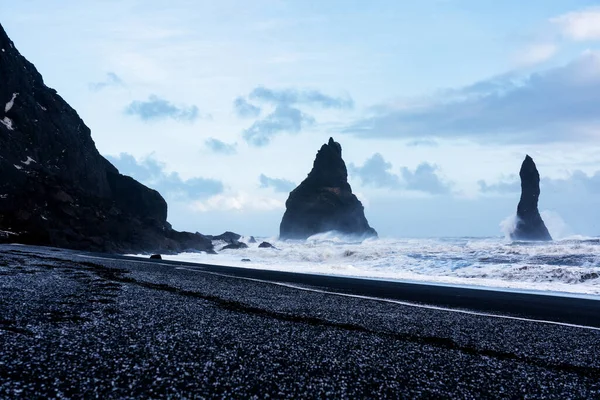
(56,189)
(324,201)
(227,237)
(156,257)
(266,245)
(235,246)
(530,225)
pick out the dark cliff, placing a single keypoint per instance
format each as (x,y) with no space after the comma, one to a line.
(530,225)
(55,187)
(324,200)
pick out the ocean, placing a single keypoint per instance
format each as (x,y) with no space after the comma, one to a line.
(570,265)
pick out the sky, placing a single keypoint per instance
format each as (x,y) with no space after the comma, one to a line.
(222,105)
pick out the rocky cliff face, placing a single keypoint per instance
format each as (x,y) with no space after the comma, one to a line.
(56,189)
(530,225)
(324,200)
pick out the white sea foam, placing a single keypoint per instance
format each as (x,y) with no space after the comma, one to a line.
(571,264)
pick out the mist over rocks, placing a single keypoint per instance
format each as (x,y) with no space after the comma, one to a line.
(529,224)
(324,200)
(56,188)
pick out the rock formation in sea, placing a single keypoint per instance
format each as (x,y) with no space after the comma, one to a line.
(227,237)
(55,187)
(530,225)
(324,201)
(235,246)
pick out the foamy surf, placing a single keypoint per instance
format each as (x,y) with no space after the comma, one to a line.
(568,265)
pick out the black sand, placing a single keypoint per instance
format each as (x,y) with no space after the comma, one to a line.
(83,327)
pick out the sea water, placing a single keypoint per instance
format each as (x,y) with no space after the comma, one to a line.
(571,264)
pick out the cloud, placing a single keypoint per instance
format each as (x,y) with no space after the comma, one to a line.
(282,119)
(279,185)
(237,202)
(579,25)
(152,173)
(111,80)
(558,105)
(535,54)
(218,146)
(424,179)
(577,182)
(244,109)
(422,143)
(505,186)
(377,172)
(156,108)
(305,97)
(286,115)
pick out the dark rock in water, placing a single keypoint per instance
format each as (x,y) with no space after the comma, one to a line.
(56,189)
(246,260)
(235,246)
(324,201)
(251,240)
(266,245)
(530,225)
(227,237)
(156,257)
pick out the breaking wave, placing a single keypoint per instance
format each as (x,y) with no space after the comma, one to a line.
(571,264)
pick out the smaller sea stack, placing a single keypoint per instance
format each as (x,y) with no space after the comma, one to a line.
(530,225)
(324,201)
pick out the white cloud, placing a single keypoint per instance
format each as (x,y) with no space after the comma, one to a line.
(535,54)
(580,25)
(240,201)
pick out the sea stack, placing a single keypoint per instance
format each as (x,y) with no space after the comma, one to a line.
(324,201)
(56,189)
(530,225)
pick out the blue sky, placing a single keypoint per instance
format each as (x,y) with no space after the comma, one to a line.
(221,106)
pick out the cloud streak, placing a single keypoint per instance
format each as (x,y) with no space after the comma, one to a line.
(510,185)
(282,119)
(244,109)
(425,179)
(278,185)
(240,201)
(536,54)
(152,173)
(313,98)
(156,108)
(217,146)
(558,105)
(112,80)
(580,25)
(287,115)
(577,182)
(376,172)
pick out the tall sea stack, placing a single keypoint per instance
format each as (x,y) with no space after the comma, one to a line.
(55,187)
(530,225)
(324,201)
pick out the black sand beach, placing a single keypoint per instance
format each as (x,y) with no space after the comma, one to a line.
(76,325)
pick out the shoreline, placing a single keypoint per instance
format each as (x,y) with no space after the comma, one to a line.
(425,281)
(582,310)
(77,323)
